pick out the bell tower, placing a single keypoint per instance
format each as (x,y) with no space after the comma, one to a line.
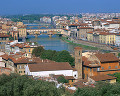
(78,61)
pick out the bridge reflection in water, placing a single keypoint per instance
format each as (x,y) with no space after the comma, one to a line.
(54,43)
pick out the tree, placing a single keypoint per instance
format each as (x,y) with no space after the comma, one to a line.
(119,54)
(61,79)
(116,75)
(38,51)
(58,56)
(101,89)
(48,54)
(64,56)
(16,85)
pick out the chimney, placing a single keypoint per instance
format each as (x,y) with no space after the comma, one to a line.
(78,61)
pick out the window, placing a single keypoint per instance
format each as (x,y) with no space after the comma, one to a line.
(116,66)
(20,67)
(98,69)
(74,75)
(84,68)
(78,60)
(87,69)
(79,53)
(94,69)
(102,68)
(90,69)
(29,50)
(20,71)
(24,66)
(109,67)
(24,71)
(84,75)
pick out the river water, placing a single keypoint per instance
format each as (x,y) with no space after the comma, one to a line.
(53,43)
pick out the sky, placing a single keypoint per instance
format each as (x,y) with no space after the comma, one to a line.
(13,7)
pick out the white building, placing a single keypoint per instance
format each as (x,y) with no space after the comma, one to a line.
(117,40)
(2,64)
(46,69)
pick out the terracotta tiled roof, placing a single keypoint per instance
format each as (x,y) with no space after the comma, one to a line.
(21,60)
(66,77)
(102,77)
(5,56)
(85,28)
(107,24)
(57,76)
(106,57)
(69,77)
(90,32)
(101,33)
(66,29)
(88,63)
(113,22)
(74,25)
(80,83)
(106,33)
(50,66)
(4,35)
(77,48)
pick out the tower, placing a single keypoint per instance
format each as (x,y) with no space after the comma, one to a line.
(78,61)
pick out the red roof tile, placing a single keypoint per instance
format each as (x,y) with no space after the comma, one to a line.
(50,66)
(106,57)
(102,77)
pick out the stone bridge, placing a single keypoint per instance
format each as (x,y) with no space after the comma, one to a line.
(49,32)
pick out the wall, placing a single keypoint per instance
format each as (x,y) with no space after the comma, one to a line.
(113,81)
(21,69)
(117,40)
(82,33)
(46,73)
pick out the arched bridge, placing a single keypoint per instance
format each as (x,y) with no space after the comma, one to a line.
(49,32)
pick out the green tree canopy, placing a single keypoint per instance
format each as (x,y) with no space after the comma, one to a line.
(117,74)
(101,89)
(58,56)
(61,79)
(38,51)
(15,85)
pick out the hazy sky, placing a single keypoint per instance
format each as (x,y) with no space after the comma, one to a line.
(57,6)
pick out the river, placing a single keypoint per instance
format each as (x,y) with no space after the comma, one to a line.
(53,43)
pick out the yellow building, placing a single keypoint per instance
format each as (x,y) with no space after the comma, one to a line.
(29,49)
(90,36)
(107,38)
(101,37)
